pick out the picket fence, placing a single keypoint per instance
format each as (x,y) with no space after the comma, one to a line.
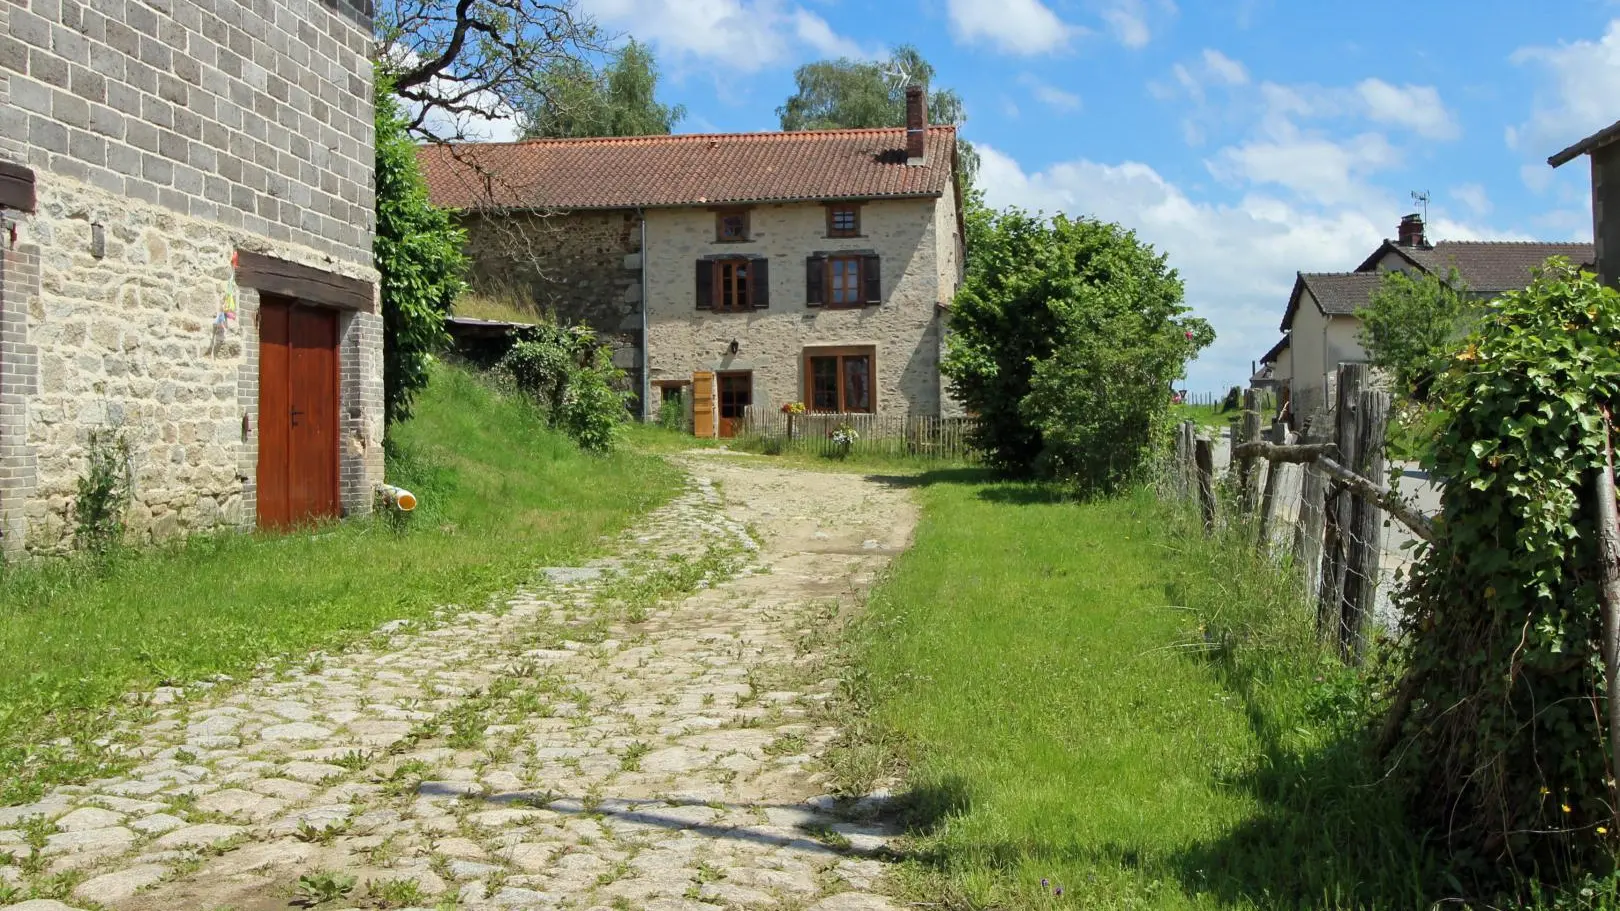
(945,439)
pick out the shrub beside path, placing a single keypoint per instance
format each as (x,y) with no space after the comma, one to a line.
(638,732)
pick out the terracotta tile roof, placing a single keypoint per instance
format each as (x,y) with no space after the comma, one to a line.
(1491,267)
(686,170)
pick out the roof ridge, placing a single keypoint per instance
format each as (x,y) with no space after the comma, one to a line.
(1349,274)
(691,137)
(1516,243)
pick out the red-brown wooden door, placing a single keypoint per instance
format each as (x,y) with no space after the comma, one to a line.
(736,394)
(298,414)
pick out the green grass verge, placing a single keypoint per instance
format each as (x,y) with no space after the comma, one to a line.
(1094,696)
(500,495)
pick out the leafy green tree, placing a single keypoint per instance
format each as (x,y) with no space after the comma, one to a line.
(419,253)
(570,375)
(1065,339)
(1413,324)
(847,94)
(571,101)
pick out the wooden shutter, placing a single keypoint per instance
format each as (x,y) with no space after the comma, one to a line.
(703,410)
(872,274)
(815,280)
(759,282)
(705,285)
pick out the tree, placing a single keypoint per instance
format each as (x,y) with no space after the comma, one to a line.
(1065,338)
(856,94)
(574,102)
(460,63)
(419,255)
(1411,326)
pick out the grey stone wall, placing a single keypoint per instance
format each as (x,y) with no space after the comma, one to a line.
(582,266)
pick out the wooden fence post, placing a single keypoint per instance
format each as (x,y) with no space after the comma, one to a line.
(1331,610)
(1204,456)
(1248,431)
(1366,528)
(1268,501)
(1309,528)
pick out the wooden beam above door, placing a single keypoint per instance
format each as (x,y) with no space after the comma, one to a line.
(304,283)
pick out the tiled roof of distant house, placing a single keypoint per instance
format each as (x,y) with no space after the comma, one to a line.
(689,170)
(1487,267)
(1336,293)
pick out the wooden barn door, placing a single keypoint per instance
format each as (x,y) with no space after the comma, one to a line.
(298,414)
(703,415)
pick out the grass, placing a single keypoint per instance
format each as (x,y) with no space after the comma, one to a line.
(1091,696)
(1203,415)
(500,496)
(504,306)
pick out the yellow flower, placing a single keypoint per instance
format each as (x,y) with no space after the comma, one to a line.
(1602,830)
(1544,791)
(1566,807)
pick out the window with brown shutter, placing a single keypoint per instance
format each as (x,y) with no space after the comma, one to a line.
(844,282)
(733,285)
(843,220)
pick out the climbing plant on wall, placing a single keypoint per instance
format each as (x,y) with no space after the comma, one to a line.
(419,253)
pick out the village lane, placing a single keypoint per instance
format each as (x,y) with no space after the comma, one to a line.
(642,731)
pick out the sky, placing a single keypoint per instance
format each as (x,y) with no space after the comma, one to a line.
(1245,139)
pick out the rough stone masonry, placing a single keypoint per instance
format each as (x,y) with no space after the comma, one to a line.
(162,137)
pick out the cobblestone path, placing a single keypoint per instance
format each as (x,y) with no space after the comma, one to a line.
(637,733)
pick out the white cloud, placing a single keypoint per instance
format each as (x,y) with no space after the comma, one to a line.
(1128,20)
(1473,198)
(749,35)
(1316,168)
(1582,80)
(1238,260)
(1013,26)
(1224,68)
(1415,107)
(1049,94)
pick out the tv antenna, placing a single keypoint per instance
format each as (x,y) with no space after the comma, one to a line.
(1421,198)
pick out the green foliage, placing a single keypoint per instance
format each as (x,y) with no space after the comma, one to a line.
(570,101)
(672,413)
(572,377)
(1412,325)
(419,254)
(861,94)
(1064,340)
(324,886)
(104,492)
(1505,750)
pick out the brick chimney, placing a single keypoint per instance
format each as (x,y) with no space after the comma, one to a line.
(916,123)
(1410,233)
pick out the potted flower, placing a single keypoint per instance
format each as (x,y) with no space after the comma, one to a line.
(843,439)
(791,409)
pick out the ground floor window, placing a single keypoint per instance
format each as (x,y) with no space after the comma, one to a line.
(839,380)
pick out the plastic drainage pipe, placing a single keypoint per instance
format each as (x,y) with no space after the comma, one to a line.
(399,498)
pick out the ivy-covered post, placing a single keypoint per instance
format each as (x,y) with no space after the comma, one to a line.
(1608,516)
(1366,529)
(1204,459)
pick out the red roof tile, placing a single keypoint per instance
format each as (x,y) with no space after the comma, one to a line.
(686,170)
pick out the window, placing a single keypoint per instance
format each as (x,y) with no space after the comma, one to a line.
(731,285)
(844,281)
(731,226)
(844,220)
(839,380)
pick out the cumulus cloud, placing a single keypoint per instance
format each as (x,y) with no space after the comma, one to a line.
(749,35)
(1580,81)
(1026,27)
(1130,21)
(1415,107)
(1473,197)
(1316,168)
(1224,68)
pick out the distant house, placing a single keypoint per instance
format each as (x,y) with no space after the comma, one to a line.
(186,223)
(1320,327)
(736,270)
(1603,147)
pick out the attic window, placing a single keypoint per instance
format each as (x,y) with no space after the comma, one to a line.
(843,220)
(731,226)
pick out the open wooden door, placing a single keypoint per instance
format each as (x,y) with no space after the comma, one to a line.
(703,404)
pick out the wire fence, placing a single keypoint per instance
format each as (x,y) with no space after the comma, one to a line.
(1337,534)
(834,435)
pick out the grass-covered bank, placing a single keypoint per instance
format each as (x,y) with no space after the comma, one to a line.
(1086,695)
(500,496)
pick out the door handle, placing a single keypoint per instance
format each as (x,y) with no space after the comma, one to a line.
(294,416)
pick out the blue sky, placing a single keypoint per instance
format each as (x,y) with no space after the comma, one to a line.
(1246,139)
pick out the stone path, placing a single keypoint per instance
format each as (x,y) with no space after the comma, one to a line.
(591,745)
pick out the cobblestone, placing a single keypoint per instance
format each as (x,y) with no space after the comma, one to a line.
(580,745)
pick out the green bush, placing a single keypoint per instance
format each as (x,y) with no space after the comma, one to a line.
(672,414)
(1065,339)
(1504,754)
(572,378)
(104,492)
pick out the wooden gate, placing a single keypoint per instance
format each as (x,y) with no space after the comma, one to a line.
(298,414)
(703,405)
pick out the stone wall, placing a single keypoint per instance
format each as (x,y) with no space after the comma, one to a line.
(905,330)
(164,136)
(581,266)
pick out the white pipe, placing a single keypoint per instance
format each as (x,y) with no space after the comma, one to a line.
(398,497)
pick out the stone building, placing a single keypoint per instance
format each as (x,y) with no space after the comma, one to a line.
(186,223)
(741,269)
(1603,148)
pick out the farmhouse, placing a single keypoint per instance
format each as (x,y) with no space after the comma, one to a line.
(736,270)
(186,221)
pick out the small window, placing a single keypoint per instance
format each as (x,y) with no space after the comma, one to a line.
(843,220)
(844,281)
(731,285)
(840,382)
(731,227)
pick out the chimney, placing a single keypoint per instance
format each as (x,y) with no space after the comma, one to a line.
(916,123)
(1410,233)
